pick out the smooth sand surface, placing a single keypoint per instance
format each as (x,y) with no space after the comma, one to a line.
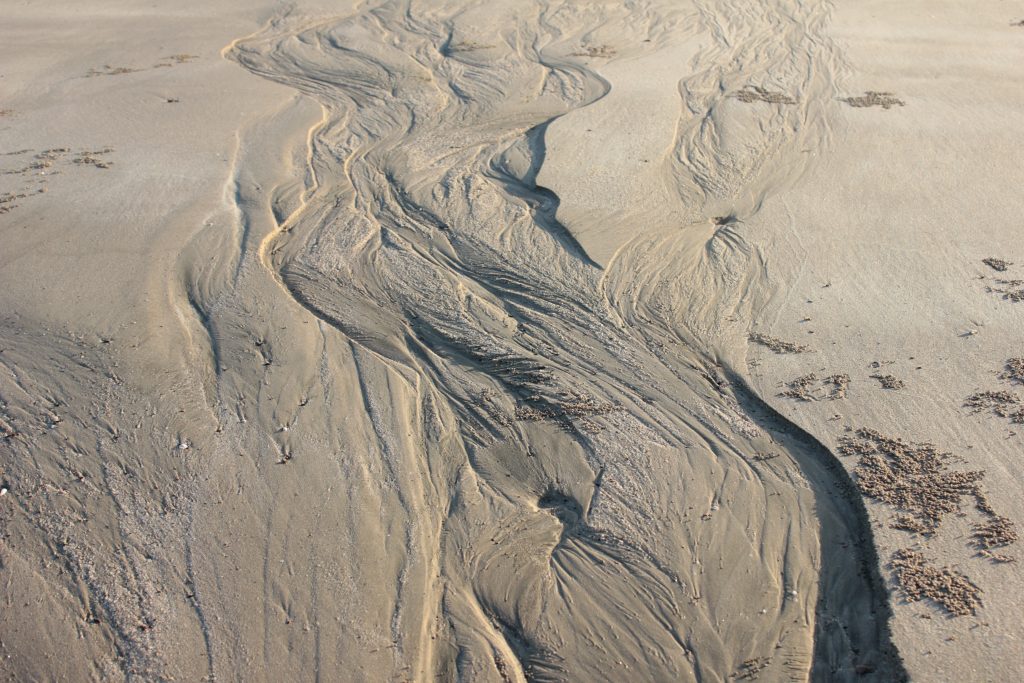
(515,341)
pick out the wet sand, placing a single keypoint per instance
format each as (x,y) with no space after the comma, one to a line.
(519,341)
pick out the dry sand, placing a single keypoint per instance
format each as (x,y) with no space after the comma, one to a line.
(511,341)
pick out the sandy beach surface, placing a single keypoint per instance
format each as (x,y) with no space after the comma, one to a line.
(531,340)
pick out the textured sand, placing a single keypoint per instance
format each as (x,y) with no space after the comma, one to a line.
(898,218)
(431,341)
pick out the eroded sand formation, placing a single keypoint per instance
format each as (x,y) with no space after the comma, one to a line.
(567,449)
(467,393)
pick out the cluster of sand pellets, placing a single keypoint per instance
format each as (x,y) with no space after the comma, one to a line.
(1011,289)
(997,264)
(1002,403)
(572,405)
(596,51)
(1014,371)
(873,98)
(777,345)
(754,93)
(889,381)
(810,388)
(947,587)
(913,478)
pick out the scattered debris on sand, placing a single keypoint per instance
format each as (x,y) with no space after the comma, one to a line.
(997,400)
(997,532)
(466,46)
(911,477)
(764,457)
(572,405)
(777,345)
(754,93)
(998,558)
(889,381)
(914,479)
(749,670)
(1014,371)
(1012,290)
(996,264)
(41,168)
(872,98)
(909,523)
(838,385)
(487,401)
(603,51)
(169,61)
(800,388)
(947,587)
(93,158)
(108,70)
(7,200)
(1002,403)
(810,388)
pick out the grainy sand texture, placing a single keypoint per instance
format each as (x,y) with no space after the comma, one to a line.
(520,340)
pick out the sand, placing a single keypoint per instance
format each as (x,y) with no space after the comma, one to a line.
(511,341)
